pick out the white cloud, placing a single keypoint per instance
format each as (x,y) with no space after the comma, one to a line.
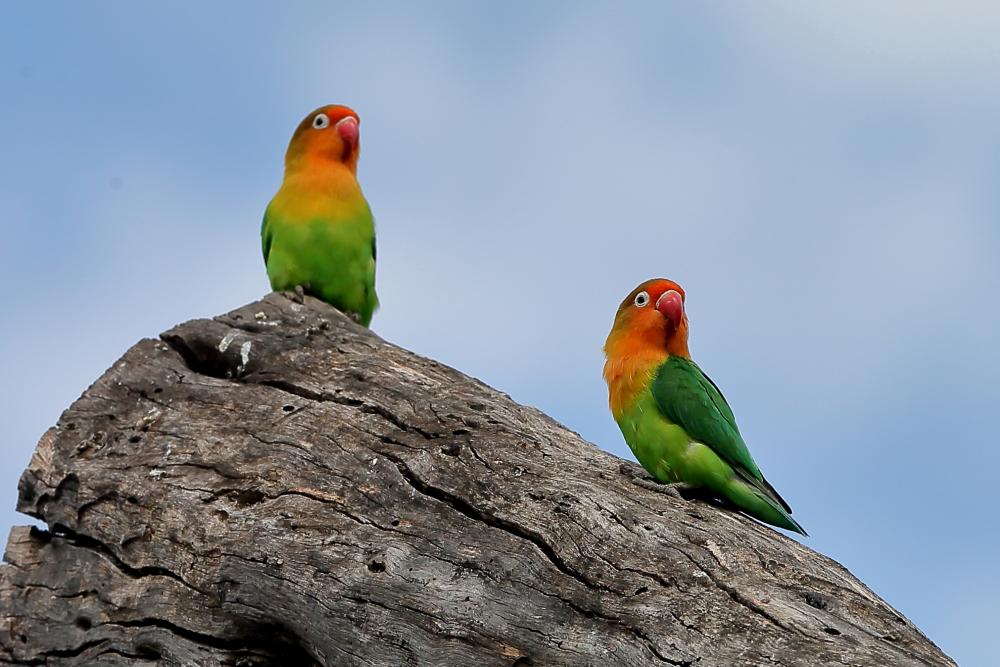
(882,40)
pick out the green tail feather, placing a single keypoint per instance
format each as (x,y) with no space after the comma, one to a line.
(752,496)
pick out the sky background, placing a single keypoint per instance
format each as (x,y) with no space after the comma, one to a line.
(821,177)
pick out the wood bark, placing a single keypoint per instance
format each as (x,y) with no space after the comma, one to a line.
(279,486)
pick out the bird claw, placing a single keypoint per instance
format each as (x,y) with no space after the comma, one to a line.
(640,478)
(354,317)
(679,490)
(298,294)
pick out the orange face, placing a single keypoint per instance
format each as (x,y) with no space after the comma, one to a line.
(653,316)
(650,326)
(330,133)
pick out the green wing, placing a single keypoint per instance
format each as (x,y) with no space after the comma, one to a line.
(688,398)
(266,236)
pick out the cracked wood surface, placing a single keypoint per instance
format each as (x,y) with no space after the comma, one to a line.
(279,486)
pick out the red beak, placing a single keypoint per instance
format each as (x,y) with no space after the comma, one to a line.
(347,128)
(671,306)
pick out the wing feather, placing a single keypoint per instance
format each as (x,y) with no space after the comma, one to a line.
(689,398)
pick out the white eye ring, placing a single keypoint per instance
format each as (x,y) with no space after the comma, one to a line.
(642,299)
(321,121)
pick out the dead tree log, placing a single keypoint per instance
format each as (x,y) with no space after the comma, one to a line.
(279,486)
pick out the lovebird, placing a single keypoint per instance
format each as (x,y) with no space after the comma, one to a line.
(673,417)
(318,231)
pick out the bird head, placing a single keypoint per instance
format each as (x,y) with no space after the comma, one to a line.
(328,134)
(652,316)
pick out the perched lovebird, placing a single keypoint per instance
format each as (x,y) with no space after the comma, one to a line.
(673,417)
(318,231)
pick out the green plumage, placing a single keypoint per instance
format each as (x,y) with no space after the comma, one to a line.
(681,429)
(332,256)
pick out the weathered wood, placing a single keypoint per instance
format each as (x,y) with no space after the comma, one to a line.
(279,486)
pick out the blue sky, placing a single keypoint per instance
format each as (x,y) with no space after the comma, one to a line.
(821,177)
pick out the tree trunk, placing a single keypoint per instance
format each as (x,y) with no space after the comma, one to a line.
(279,486)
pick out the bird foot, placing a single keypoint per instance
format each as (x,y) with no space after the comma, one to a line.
(298,294)
(354,317)
(640,478)
(679,490)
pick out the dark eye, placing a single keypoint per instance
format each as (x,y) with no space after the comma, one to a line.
(321,121)
(641,299)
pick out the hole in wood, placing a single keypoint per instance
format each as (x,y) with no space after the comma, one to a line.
(249,497)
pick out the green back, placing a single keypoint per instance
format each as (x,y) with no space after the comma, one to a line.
(688,398)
